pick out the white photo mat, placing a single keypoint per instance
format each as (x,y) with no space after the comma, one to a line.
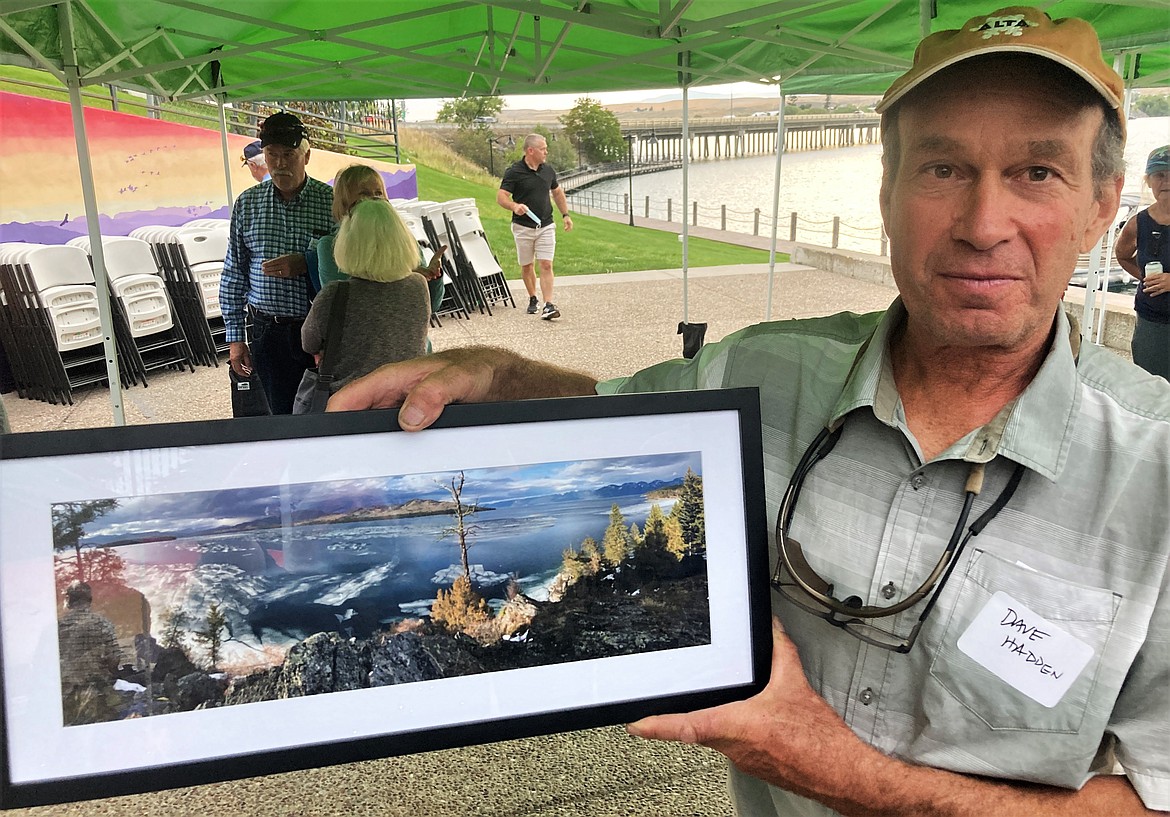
(40,749)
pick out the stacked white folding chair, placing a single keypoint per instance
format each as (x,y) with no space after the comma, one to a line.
(435,224)
(453,303)
(149,335)
(191,261)
(205,250)
(470,243)
(51,325)
(209,223)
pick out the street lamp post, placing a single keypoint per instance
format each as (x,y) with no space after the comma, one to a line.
(630,172)
(493,142)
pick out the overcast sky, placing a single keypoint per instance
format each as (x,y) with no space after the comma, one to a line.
(420,110)
(180,513)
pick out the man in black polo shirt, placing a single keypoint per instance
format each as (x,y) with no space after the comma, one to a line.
(525,191)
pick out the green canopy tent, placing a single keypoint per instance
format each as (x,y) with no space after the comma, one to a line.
(377,49)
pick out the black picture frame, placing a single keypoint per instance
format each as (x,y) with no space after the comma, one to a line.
(155,470)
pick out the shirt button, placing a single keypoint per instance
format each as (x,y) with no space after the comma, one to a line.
(889,591)
(917,481)
(866,696)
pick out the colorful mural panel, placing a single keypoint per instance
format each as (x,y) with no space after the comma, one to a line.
(145,171)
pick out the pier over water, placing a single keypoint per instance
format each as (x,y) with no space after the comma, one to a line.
(733,137)
(658,144)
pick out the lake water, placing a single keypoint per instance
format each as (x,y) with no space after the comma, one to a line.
(817,185)
(285,583)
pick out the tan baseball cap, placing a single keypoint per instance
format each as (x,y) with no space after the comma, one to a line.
(1070,42)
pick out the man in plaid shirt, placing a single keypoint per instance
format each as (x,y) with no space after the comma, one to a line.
(264,292)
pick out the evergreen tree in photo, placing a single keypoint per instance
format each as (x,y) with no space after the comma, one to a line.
(654,553)
(69,521)
(615,545)
(591,556)
(174,628)
(212,636)
(572,564)
(674,538)
(689,512)
(460,609)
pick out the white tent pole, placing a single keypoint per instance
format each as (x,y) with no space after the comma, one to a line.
(1097,280)
(89,198)
(775,202)
(223,143)
(686,213)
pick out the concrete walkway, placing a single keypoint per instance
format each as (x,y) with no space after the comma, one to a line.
(610,325)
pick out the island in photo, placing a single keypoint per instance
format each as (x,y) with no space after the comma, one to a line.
(201,599)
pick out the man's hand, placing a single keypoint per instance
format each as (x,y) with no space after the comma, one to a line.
(567,222)
(239,358)
(435,268)
(422,387)
(1156,283)
(285,266)
(787,735)
(477,374)
(519,209)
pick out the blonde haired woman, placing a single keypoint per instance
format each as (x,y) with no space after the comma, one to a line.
(388,305)
(354,184)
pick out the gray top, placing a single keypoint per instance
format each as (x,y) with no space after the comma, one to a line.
(1083,544)
(384,323)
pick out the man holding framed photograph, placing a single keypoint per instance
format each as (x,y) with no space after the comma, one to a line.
(971,603)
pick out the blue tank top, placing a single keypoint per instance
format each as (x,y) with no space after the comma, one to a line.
(1153,241)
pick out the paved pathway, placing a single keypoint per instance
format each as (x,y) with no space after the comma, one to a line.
(611,325)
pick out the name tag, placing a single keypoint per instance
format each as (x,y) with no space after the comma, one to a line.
(1025,650)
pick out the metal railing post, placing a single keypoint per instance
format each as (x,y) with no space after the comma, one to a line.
(792,229)
(836,230)
(756,223)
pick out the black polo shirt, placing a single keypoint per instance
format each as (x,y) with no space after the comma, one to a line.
(532,189)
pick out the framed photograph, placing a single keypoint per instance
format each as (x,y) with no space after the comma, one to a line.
(194,602)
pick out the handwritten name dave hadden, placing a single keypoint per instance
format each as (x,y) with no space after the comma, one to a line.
(1016,642)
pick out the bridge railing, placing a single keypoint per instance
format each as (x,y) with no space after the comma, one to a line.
(831,232)
(590,174)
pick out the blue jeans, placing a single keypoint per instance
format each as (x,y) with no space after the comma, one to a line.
(1151,346)
(278,359)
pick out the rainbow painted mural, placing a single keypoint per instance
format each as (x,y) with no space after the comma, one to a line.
(146,172)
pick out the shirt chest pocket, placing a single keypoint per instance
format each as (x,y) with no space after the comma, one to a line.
(1084,613)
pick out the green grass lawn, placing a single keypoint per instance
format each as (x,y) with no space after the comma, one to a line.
(595,244)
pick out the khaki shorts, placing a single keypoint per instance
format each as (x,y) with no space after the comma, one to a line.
(534,243)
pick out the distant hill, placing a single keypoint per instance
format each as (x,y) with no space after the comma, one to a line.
(666,108)
(604,492)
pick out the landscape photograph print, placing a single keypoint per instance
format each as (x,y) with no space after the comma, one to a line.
(201,599)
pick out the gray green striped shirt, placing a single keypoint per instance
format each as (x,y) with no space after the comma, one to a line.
(1083,544)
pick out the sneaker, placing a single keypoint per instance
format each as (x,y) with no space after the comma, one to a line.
(533,305)
(549,312)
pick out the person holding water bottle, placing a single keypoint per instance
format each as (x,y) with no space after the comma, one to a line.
(1143,250)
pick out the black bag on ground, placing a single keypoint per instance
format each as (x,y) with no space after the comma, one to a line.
(248,398)
(317,384)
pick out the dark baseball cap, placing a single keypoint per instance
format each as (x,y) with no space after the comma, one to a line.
(282,129)
(251,151)
(1158,160)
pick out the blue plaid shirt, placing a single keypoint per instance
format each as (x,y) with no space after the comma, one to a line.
(265,226)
